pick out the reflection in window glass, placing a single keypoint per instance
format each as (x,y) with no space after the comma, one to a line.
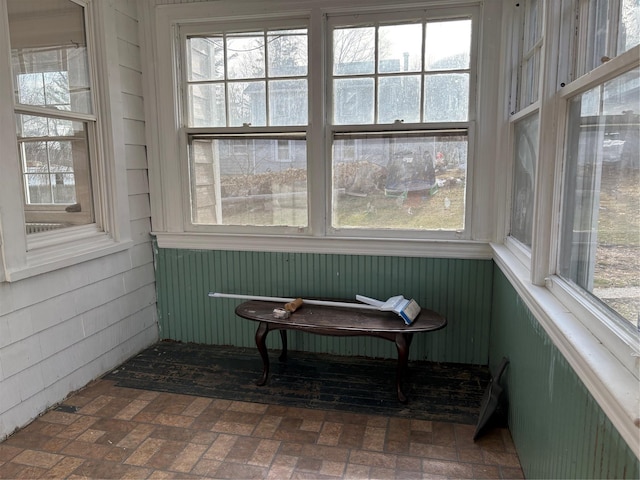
(390,181)
(600,250)
(248,181)
(51,70)
(526,158)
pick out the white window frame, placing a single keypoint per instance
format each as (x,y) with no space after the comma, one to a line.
(24,255)
(604,356)
(170,217)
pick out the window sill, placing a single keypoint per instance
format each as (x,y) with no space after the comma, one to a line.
(327,245)
(610,382)
(45,256)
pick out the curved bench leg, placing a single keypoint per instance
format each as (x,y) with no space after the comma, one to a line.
(283,337)
(261,337)
(402,343)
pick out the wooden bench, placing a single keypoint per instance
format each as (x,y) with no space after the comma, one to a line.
(338,321)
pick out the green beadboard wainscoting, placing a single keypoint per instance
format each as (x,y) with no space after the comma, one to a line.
(458,289)
(558,428)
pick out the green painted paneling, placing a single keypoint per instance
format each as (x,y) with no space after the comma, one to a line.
(559,429)
(458,289)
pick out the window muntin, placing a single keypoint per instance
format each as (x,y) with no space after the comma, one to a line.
(389,181)
(524,177)
(51,72)
(600,244)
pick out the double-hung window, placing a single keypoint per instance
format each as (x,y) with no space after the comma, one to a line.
(63,187)
(399,121)
(246,102)
(318,122)
(599,251)
(55,116)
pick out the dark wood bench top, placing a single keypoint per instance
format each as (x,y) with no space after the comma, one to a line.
(340,320)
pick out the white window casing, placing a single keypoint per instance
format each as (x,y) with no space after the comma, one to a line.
(170,205)
(28,255)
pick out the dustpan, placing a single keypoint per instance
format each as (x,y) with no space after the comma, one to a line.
(491,398)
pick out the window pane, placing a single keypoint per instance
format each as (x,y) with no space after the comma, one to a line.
(399,99)
(609,29)
(446,97)
(240,99)
(530,80)
(600,248)
(448,45)
(247,104)
(288,102)
(205,58)
(50,65)
(399,48)
(353,101)
(390,181)
(249,181)
(353,51)
(629,30)
(207,105)
(524,169)
(54,156)
(287,53)
(245,55)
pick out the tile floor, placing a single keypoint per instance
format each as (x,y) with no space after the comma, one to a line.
(105,431)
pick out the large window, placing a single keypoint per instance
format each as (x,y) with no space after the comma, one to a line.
(412,75)
(54,112)
(248,91)
(369,135)
(600,234)
(600,251)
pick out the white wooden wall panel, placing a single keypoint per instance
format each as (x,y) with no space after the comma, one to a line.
(127,27)
(137,182)
(139,207)
(141,254)
(134,133)
(136,156)
(140,230)
(129,55)
(60,330)
(131,81)
(132,106)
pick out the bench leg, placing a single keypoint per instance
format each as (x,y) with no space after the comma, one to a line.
(403,342)
(283,337)
(261,338)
